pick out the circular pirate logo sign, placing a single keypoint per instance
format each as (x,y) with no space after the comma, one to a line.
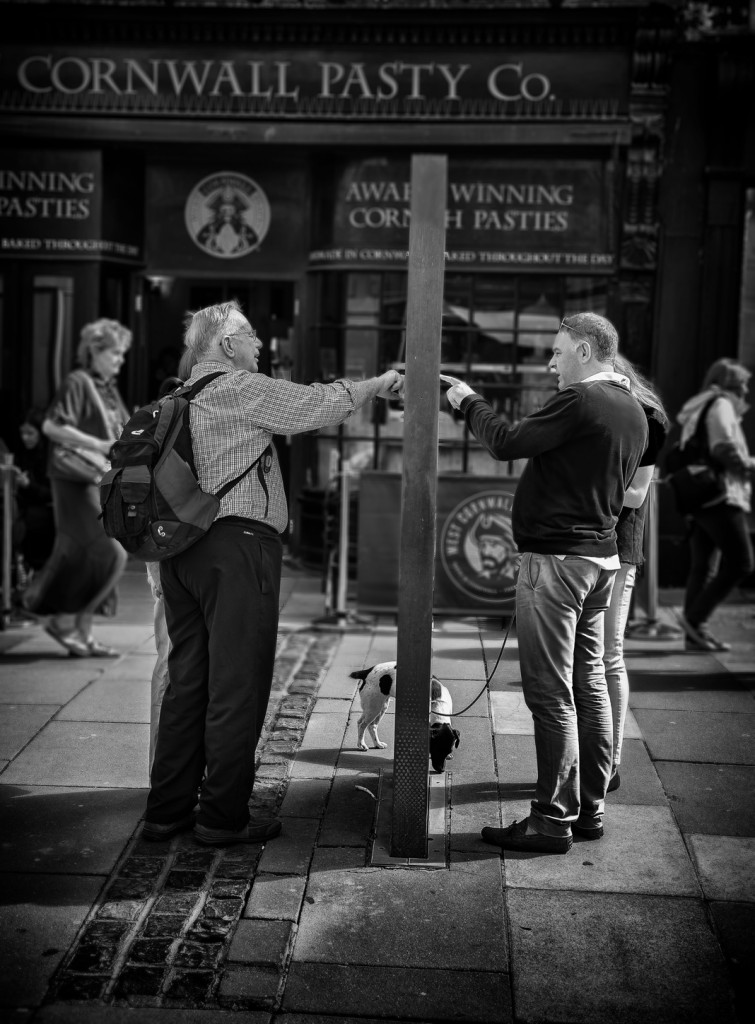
(477,547)
(227,215)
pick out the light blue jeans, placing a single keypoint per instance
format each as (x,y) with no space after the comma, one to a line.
(560,613)
(613,657)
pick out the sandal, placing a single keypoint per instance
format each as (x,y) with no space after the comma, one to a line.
(97,650)
(73,644)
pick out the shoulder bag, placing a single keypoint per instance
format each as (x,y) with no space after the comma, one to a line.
(76,462)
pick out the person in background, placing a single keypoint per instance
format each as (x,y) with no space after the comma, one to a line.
(80,577)
(721,552)
(34,495)
(583,449)
(630,530)
(222,594)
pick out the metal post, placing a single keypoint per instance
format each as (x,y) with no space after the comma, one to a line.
(424,313)
(343,544)
(6,469)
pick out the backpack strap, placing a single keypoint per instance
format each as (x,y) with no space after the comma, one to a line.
(264,460)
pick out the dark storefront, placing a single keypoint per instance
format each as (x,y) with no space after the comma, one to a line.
(155,162)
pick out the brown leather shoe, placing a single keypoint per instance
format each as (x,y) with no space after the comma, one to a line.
(253,832)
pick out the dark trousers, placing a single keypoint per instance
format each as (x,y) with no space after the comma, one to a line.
(221,608)
(717,531)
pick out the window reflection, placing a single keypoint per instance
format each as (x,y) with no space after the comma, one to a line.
(497,333)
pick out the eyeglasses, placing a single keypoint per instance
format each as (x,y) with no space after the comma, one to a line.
(252,335)
(574,330)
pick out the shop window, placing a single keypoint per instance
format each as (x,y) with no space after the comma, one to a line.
(497,333)
(52,348)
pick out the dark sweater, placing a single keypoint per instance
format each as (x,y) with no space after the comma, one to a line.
(583,447)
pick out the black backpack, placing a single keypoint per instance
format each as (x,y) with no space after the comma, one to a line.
(695,451)
(693,476)
(150,497)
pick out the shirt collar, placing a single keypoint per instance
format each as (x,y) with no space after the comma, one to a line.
(617,378)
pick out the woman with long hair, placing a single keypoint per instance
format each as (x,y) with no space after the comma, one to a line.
(630,530)
(80,578)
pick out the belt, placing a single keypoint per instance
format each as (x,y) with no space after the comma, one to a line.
(254,524)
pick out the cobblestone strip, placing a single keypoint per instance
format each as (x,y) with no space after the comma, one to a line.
(162,929)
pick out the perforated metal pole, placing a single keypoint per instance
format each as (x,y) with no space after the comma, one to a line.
(424,311)
(7,485)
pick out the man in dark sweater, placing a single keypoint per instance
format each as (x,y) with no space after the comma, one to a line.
(583,448)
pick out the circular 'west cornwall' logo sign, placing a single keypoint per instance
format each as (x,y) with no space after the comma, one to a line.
(477,547)
(227,215)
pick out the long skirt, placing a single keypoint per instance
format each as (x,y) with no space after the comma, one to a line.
(83,557)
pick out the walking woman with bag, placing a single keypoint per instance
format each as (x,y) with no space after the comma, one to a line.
(80,578)
(721,553)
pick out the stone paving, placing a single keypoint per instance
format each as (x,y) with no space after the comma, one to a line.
(167,928)
(652,925)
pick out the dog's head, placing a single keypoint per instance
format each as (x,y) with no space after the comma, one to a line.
(443,739)
(384,674)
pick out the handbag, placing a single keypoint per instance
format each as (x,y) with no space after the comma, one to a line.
(696,487)
(694,480)
(77,463)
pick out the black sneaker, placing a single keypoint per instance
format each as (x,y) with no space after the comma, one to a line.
(699,638)
(515,837)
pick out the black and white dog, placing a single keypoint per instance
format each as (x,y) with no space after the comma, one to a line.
(375,691)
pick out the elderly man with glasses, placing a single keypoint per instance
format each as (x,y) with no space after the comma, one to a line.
(583,448)
(221,595)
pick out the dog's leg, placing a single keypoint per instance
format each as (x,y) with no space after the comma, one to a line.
(372,728)
(361,727)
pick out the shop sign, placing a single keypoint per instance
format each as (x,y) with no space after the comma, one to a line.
(227,215)
(477,550)
(251,216)
(514,214)
(484,83)
(476,561)
(52,203)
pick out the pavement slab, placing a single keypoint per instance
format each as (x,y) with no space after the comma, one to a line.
(87,754)
(641,852)
(350,814)
(707,798)
(726,866)
(590,958)
(39,918)
(20,723)
(31,680)
(710,736)
(405,917)
(110,700)
(398,992)
(66,830)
